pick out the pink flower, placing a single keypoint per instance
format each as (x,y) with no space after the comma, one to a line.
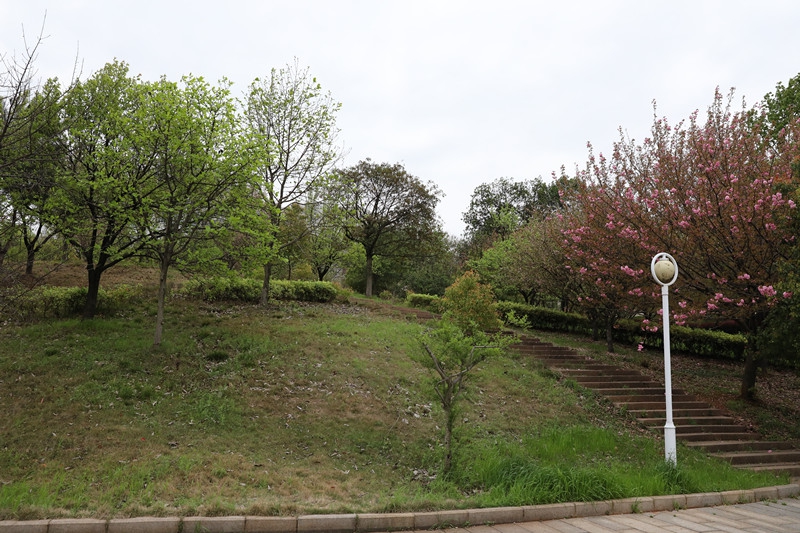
(787,294)
(640,347)
(767,290)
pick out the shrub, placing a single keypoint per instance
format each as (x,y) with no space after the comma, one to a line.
(425,301)
(694,341)
(62,302)
(249,290)
(470,304)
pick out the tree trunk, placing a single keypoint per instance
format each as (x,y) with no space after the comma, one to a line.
(265,286)
(610,335)
(448,439)
(90,309)
(29,259)
(751,365)
(162,296)
(368,268)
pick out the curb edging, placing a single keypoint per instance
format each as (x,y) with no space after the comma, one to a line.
(375,522)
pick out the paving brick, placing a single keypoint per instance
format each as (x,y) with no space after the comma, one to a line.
(765,493)
(496,515)
(333,523)
(77,525)
(24,526)
(703,499)
(385,521)
(787,491)
(669,503)
(552,511)
(270,524)
(453,518)
(213,524)
(736,496)
(144,525)
(632,505)
(593,508)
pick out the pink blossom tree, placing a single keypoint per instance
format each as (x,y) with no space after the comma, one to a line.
(706,192)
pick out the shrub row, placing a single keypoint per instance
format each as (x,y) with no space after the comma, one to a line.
(249,290)
(62,302)
(694,341)
(425,301)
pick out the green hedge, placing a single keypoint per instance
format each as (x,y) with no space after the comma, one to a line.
(694,341)
(62,302)
(249,290)
(425,301)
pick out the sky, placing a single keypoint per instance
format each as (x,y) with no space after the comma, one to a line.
(460,92)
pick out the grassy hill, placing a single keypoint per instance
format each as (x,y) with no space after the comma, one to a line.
(296,408)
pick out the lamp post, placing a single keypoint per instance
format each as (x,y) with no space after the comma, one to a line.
(665,272)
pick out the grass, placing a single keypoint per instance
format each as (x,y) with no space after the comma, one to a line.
(295,409)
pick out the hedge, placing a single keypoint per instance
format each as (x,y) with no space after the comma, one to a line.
(694,341)
(249,290)
(63,302)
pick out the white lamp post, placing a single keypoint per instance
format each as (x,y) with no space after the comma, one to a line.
(665,272)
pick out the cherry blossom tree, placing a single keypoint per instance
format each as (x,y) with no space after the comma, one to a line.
(708,193)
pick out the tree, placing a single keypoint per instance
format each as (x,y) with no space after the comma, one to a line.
(387,211)
(466,336)
(27,115)
(290,116)
(326,244)
(499,208)
(708,193)
(201,173)
(29,180)
(108,174)
(782,106)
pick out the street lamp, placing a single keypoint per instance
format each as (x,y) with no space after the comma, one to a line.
(665,272)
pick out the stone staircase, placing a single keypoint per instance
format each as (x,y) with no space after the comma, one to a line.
(697,424)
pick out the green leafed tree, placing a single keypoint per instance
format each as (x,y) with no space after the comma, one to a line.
(201,176)
(108,177)
(499,208)
(466,336)
(295,121)
(387,211)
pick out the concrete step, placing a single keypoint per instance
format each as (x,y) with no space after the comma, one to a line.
(792,469)
(597,384)
(621,379)
(690,413)
(740,446)
(709,436)
(760,457)
(604,371)
(697,424)
(695,421)
(634,400)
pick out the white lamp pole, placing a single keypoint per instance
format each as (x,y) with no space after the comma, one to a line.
(665,272)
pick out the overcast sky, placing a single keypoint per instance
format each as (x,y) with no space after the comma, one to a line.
(461,92)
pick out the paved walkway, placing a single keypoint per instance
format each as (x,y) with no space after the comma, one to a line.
(781,516)
(768,517)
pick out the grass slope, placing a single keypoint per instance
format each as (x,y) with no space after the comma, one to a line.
(296,409)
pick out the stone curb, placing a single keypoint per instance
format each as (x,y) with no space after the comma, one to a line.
(375,522)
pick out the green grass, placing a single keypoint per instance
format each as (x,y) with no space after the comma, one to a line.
(296,409)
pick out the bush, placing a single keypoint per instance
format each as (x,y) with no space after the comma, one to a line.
(425,301)
(693,341)
(470,305)
(249,290)
(62,302)
(547,319)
